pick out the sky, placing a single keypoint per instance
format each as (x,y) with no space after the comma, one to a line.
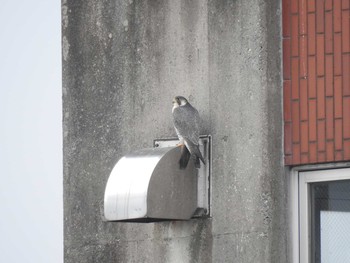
(31,199)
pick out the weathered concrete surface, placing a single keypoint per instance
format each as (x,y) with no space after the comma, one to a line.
(245,101)
(123,62)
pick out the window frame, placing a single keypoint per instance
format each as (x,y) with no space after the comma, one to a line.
(299,212)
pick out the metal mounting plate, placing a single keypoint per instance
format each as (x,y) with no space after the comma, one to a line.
(204,172)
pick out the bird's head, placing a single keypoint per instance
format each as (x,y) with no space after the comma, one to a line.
(179,101)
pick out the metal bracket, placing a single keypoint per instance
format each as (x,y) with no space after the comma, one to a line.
(204,172)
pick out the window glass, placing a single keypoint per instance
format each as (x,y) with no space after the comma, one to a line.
(330,221)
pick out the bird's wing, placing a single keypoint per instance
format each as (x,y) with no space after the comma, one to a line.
(186,122)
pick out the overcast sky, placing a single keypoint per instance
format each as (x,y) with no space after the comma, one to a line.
(31,217)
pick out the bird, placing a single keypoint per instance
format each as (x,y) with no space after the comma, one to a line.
(186,123)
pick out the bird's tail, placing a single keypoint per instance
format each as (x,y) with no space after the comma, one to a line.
(200,156)
(197,157)
(185,157)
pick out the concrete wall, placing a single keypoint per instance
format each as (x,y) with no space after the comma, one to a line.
(123,62)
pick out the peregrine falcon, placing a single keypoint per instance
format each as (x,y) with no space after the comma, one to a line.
(186,123)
